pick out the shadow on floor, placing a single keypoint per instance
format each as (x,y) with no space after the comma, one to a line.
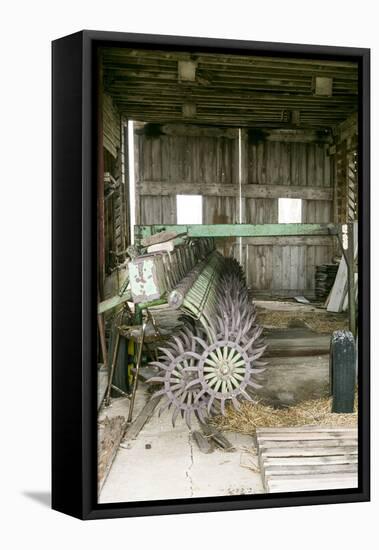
(42,497)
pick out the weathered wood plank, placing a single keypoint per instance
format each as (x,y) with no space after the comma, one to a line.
(301,470)
(309,428)
(285,347)
(110,433)
(113,302)
(305,443)
(310,435)
(144,416)
(278,484)
(310,460)
(307,458)
(312,451)
(218,438)
(210,188)
(205,444)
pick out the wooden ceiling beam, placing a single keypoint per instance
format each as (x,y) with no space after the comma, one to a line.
(253,96)
(235,72)
(126,53)
(229,89)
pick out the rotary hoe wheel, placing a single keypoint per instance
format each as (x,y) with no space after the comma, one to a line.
(215,360)
(225,370)
(177,378)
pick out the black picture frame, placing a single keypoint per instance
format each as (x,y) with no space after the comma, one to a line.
(74,151)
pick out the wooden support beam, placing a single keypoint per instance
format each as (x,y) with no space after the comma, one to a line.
(312,240)
(192,130)
(280,134)
(240,230)
(248,191)
(113,302)
(220,59)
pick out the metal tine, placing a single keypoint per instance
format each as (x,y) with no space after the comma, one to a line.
(156,379)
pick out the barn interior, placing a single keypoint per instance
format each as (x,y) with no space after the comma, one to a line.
(204,157)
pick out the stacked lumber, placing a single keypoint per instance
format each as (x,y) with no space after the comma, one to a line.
(307,458)
(337,300)
(324,279)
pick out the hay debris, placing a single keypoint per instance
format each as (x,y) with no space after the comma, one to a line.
(251,416)
(322,322)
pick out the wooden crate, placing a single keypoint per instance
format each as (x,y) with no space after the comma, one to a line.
(307,458)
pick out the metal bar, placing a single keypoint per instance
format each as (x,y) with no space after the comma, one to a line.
(103,345)
(139,357)
(241,230)
(145,305)
(121,392)
(111,374)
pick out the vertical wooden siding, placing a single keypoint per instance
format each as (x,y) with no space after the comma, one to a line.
(116,213)
(271,269)
(285,269)
(187,159)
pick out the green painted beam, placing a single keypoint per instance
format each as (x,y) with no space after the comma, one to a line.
(240,230)
(153,303)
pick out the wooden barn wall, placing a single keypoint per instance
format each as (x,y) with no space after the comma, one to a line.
(111,126)
(286,266)
(346,171)
(209,164)
(116,212)
(167,160)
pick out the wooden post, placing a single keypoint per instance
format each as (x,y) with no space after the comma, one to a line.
(138,177)
(350,277)
(244,174)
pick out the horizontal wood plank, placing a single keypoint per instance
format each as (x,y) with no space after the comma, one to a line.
(280,484)
(313,428)
(251,191)
(309,460)
(306,443)
(311,451)
(300,470)
(288,241)
(307,436)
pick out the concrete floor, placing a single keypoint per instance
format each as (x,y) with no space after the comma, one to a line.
(165,462)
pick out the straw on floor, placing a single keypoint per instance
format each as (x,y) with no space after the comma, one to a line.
(251,416)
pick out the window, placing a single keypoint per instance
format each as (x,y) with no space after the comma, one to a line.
(289,211)
(189,209)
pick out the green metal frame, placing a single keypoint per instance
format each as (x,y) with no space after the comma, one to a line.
(240,230)
(263,230)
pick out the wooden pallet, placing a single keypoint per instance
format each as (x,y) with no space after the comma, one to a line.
(308,458)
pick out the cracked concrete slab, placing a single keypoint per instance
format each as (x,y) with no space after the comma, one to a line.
(165,463)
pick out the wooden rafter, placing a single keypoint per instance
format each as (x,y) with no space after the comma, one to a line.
(229,89)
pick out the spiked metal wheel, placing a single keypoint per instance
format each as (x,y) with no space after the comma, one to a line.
(176,375)
(215,359)
(225,371)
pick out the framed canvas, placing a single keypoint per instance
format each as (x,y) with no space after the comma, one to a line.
(211,291)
